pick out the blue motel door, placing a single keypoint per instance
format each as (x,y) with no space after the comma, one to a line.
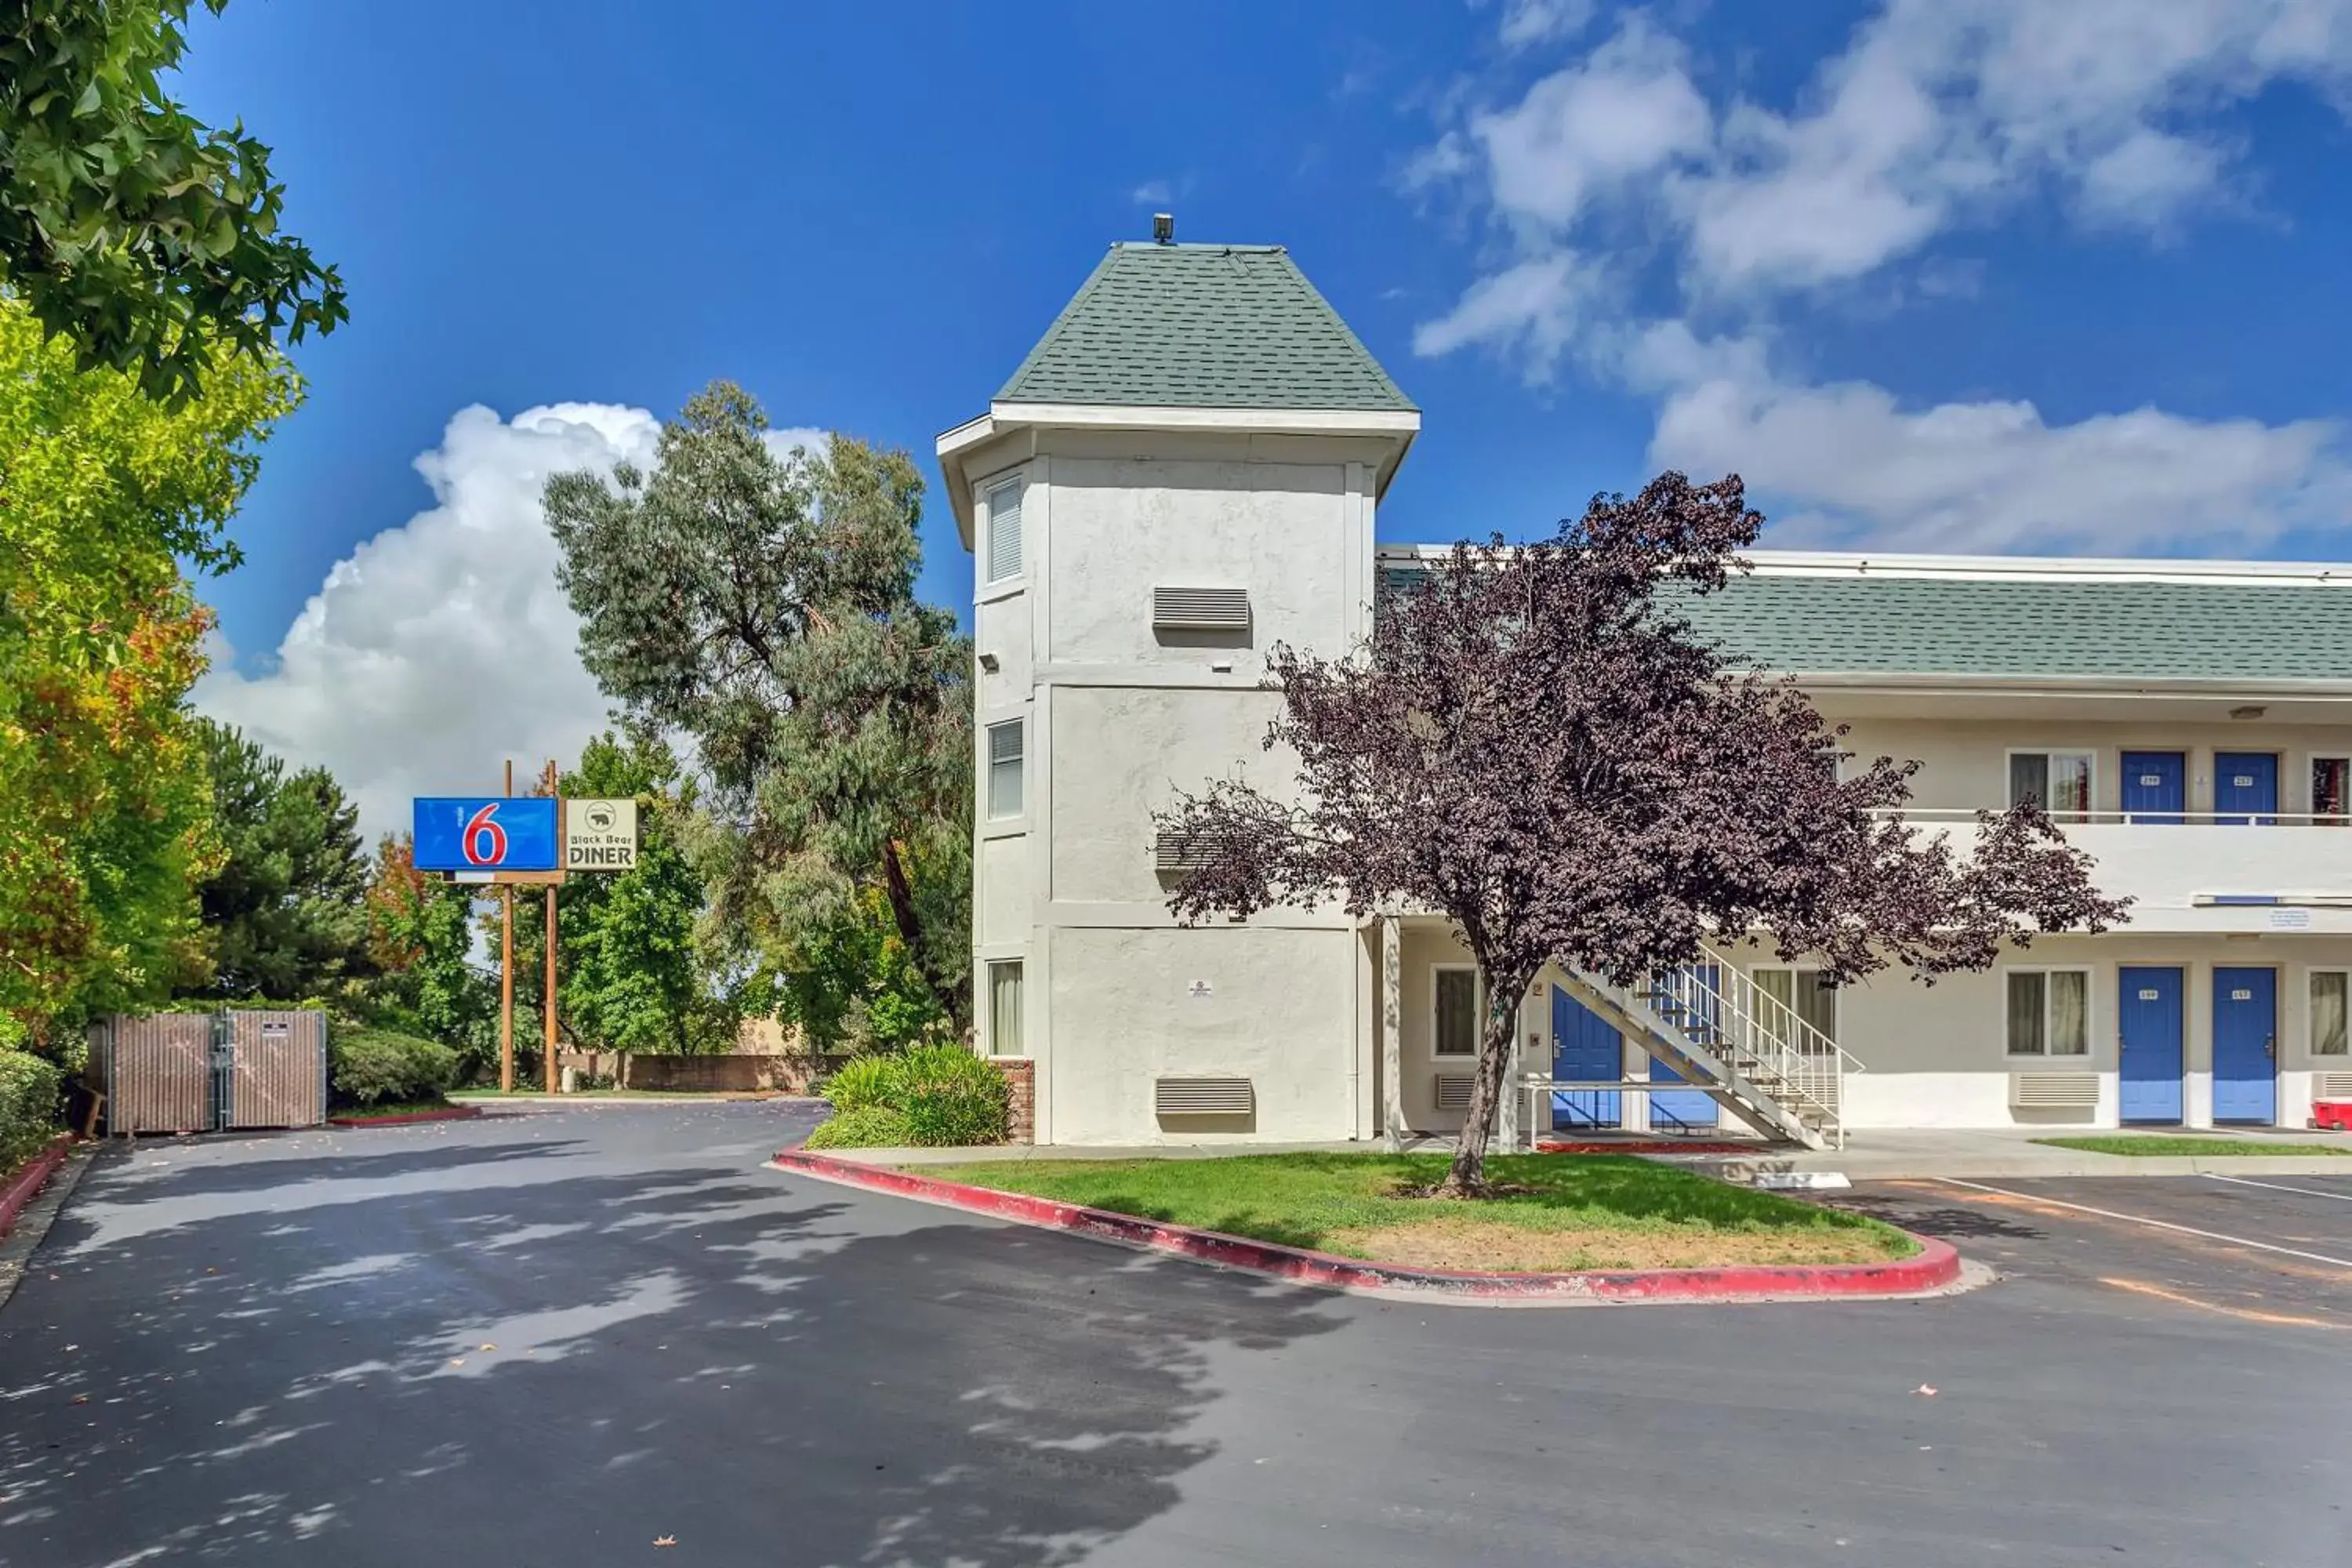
(2245,787)
(1583,1047)
(2149,1025)
(2155,786)
(2245,1045)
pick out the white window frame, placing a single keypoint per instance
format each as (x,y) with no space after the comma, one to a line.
(2008,768)
(1478,1012)
(2311,800)
(1837,993)
(2311,1015)
(989,812)
(1017,483)
(989,968)
(2090,1014)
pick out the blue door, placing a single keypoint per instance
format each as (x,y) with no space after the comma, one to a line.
(2245,1041)
(2245,787)
(2155,785)
(1688,998)
(1582,1046)
(2148,1018)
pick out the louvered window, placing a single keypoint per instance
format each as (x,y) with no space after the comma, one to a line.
(1201,609)
(1004,531)
(1004,769)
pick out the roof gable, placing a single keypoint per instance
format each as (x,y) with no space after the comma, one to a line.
(1202,326)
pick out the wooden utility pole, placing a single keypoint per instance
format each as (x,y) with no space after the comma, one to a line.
(506,977)
(548,986)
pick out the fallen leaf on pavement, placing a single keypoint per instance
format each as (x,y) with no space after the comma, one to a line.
(665,1540)
(1926,1390)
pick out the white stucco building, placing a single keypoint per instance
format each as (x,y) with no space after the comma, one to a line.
(1187,468)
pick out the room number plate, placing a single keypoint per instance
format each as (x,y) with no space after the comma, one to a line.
(2243,781)
(2149,781)
(2149,993)
(2241,996)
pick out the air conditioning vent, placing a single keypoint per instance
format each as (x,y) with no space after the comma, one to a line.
(1202,1097)
(2054,1090)
(1200,609)
(2331,1086)
(1453,1091)
(1176,853)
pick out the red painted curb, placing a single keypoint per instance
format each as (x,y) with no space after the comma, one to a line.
(27,1182)
(455,1113)
(1935,1266)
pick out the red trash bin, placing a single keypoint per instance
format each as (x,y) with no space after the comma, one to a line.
(2332,1115)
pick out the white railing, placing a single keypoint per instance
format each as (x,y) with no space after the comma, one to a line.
(1939,813)
(1721,1009)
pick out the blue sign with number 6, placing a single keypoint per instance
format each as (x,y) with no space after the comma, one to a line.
(486,833)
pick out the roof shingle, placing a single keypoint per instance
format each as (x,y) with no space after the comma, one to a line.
(1202,326)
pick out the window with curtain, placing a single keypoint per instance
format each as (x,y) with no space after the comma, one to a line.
(1004,1009)
(1457,1013)
(2060,780)
(2049,1012)
(1004,531)
(2328,989)
(1004,769)
(2331,790)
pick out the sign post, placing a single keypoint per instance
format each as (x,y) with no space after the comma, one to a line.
(506,959)
(509,841)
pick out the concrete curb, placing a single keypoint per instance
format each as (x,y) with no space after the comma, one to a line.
(1936,1268)
(453,1113)
(28,1182)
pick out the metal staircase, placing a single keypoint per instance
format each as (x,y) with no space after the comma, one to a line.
(1735,1042)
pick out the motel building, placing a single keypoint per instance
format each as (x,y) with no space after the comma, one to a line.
(1187,468)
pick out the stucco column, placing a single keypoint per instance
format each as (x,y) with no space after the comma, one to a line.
(1392,1030)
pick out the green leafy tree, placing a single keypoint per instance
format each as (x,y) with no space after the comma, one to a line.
(763,605)
(146,238)
(420,939)
(635,968)
(284,915)
(108,820)
(852,986)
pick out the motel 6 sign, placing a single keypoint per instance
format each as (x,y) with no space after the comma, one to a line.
(486,833)
(478,836)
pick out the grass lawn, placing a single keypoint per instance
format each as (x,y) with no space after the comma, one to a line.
(1561,1212)
(2158,1144)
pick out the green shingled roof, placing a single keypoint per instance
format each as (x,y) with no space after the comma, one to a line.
(2011,627)
(1202,326)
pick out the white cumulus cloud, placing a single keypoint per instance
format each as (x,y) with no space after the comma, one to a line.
(438,648)
(1847,464)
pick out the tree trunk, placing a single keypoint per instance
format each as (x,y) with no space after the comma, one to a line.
(955,1001)
(1468,1176)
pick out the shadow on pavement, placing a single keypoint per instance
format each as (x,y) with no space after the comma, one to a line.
(542,1359)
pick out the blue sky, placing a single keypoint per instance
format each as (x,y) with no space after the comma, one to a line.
(1978,275)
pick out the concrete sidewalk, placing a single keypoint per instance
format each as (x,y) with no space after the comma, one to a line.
(1868,1156)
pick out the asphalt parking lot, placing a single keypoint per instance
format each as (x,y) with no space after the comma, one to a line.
(583,1337)
(2275,1251)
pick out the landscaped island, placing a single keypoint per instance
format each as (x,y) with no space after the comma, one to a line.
(1551,1213)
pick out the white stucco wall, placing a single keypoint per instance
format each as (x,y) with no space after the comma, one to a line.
(1276,1006)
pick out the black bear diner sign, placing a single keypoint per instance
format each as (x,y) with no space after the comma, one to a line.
(600,834)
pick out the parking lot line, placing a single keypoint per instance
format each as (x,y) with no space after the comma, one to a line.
(2142,1288)
(2152,1224)
(2280,1187)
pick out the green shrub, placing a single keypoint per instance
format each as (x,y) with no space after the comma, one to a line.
(949,1097)
(368,1065)
(867,1127)
(861,1082)
(29,1088)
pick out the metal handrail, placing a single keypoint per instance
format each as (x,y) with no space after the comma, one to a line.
(1759,1037)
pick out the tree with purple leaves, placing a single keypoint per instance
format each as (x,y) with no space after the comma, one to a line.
(1537,743)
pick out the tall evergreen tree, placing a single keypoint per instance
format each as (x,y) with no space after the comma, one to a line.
(762,604)
(285,914)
